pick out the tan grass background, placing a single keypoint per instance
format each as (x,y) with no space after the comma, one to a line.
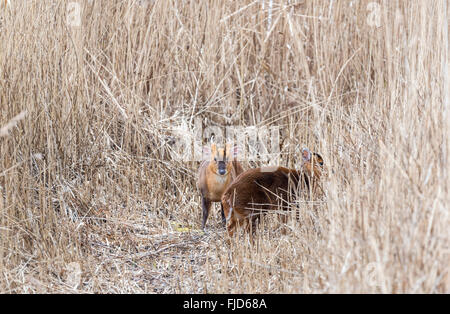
(92,201)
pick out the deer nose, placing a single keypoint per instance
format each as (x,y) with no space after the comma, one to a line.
(222,172)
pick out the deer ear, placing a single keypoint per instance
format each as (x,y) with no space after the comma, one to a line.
(306,154)
(206,153)
(233,151)
(318,159)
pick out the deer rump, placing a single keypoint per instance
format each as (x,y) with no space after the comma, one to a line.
(260,190)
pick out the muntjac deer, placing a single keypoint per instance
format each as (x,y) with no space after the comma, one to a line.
(259,190)
(215,175)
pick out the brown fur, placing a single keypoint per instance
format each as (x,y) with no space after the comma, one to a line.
(211,183)
(262,189)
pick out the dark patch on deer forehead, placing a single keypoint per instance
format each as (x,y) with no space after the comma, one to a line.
(220,154)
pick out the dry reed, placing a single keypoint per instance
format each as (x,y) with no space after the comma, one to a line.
(91,200)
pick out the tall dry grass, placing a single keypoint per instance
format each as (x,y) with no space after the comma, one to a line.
(92,201)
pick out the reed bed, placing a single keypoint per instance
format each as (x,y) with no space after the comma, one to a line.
(93,198)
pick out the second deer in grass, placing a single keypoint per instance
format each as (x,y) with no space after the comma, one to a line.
(266,189)
(215,175)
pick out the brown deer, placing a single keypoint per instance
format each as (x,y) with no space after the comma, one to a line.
(259,190)
(215,175)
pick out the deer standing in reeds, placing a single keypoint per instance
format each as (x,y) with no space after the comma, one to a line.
(215,175)
(260,190)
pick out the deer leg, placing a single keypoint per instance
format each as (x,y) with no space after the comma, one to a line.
(231,226)
(224,221)
(206,205)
